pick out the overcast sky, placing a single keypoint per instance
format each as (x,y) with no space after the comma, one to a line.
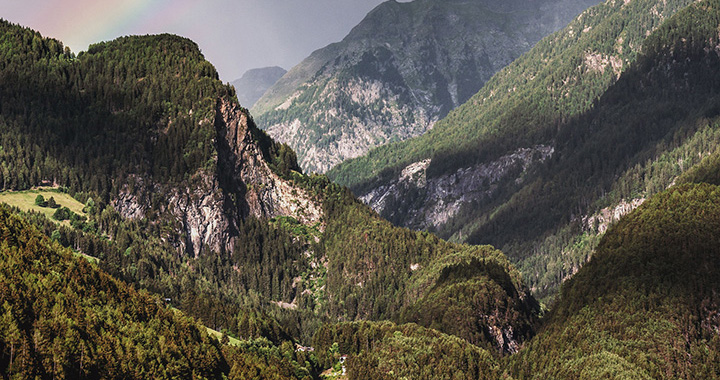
(235,35)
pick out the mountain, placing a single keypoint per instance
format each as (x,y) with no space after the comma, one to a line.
(645,306)
(567,138)
(186,198)
(189,202)
(397,72)
(62,317)
(253,84)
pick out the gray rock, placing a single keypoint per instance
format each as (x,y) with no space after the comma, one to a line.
(405,66)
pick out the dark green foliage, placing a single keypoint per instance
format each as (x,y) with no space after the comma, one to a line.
(645,306)
(51,203)
(383,350)
(61,317)
(132,105)
(398,272)
(40,201)
(89,206)
(62,213)
(258,359)
(478,302)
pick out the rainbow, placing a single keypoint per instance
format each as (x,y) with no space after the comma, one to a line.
(80,23)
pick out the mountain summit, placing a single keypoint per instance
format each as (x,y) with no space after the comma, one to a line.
(405,66)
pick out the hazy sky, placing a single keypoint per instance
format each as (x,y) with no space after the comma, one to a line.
(234,35)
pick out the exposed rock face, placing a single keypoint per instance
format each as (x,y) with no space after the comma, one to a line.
(405,66)
(600,221)
(208,207)
(436,200)
(253,84)
(266,195)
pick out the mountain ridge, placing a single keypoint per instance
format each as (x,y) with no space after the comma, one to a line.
(403,67)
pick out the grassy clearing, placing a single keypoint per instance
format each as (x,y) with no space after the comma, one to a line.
(214,333)
(218,335)
(25,201)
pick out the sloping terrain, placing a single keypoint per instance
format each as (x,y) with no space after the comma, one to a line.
(645,306)
(192,202)
(62,317)
(405,66)
(557,145)
(253,84)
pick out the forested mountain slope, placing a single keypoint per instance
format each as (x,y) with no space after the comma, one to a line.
(186,198)
(397,72)
(646,305)
(62,317)
(568,137)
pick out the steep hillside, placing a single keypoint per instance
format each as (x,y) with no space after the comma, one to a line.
(559,143)
(405,66)
(253,84)
(388,351)
(61,317)
(186,198)
(646,305)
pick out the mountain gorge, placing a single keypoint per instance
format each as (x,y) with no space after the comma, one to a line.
(593,161)
(405,66)
(187,199)
(548,145)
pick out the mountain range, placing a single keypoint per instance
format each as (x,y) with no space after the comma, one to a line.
(405,66)
(203,251)
(547,154)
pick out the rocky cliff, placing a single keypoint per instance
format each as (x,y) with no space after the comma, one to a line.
(405,66)
(423,203)
(207,211)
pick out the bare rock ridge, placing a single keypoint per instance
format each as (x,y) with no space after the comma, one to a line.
(266,195)
(209,208)
(405,66)
(439,199)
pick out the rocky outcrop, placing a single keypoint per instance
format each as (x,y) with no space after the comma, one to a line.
(601,221)
(246,171)
(208,207)
(437,200)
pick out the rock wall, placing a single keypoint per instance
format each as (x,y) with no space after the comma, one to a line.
(208,207)
(438,199)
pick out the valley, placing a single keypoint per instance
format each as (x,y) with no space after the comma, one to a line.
(559,219)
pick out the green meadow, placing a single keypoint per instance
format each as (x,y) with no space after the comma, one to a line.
(25,201)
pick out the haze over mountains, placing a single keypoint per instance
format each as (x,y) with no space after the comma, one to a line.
(253,84)
(405,66)
(592,160)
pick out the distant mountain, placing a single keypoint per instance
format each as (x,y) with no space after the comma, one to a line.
(555,147)
(405,66)
(253,84)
